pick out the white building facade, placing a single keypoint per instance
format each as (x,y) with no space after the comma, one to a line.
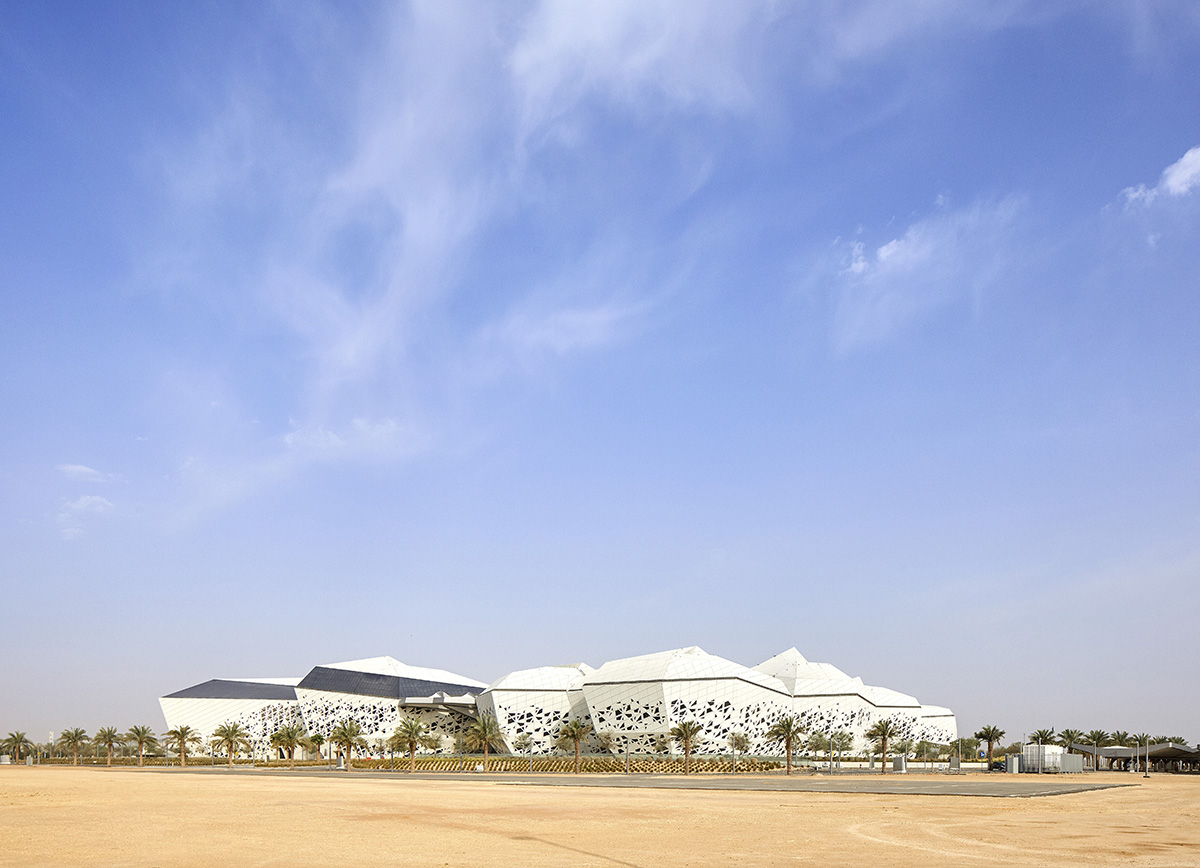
(630,704)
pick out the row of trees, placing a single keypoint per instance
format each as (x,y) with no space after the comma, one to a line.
(484,733)
(481,735)
(73,741)
(1073,738)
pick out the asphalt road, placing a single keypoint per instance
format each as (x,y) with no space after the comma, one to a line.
(993,786)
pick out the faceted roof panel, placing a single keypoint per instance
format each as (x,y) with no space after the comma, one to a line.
(792,669)
(392,666)
(802,677)
(884,696)
(388,677)
(243,688)
(544,678)
(679,664)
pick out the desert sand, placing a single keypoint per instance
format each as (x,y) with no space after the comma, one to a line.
(64,816)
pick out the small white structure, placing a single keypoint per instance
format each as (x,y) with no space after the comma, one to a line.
(1050,758)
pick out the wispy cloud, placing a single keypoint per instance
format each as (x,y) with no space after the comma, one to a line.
(93,503)
(364,228)
(697,55)
(951,255)
(1178,179)
(709,54)
(529,338)
(75,513)
(83,473)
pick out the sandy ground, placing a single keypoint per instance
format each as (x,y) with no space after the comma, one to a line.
(64,816)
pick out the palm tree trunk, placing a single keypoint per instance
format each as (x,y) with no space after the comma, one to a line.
(139,754)
(883,758)
(788,750)
(412,758)
(231,754)
(292,758)
(485,756)
(576,756)
(687,758)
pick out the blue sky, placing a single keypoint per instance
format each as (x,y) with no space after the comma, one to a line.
(495,337)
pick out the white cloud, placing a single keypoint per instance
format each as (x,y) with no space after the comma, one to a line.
(709,54)
(1182,176)
(561,332)
(362,439)
(89,503)
(936,261)
(83,473)
(424,152)
(74,513)
(697,54)
(1177,179)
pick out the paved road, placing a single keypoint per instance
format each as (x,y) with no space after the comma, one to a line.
(995,786)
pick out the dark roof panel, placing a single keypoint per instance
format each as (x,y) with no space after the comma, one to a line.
(220,688)
(374,684)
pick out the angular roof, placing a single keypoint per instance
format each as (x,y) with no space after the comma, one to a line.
(680,664)
(240,688)
(544,678)
(802,677)
(793,669)
(388,677)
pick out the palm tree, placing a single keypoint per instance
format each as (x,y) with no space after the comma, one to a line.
(143,737)
(816,744)
(572,733)
(349,735)
(788,731)
(841,741)
(316,740)
(739,742)
(182,736)
(990,734)
(1068,738)
(409,734)
(1043,737)
(110,738)
(484,732)
(73,740)
(289,737)
(15,744)
(523,743)
(1098,738)
(881,732)
(1122,739)
(231,736)
(688,735)
(925,747)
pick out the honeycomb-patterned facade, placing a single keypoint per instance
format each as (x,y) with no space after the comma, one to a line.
(631,704)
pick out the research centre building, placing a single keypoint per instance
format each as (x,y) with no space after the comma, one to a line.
(630,704)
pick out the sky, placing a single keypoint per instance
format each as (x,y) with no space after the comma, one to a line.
(490,336)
